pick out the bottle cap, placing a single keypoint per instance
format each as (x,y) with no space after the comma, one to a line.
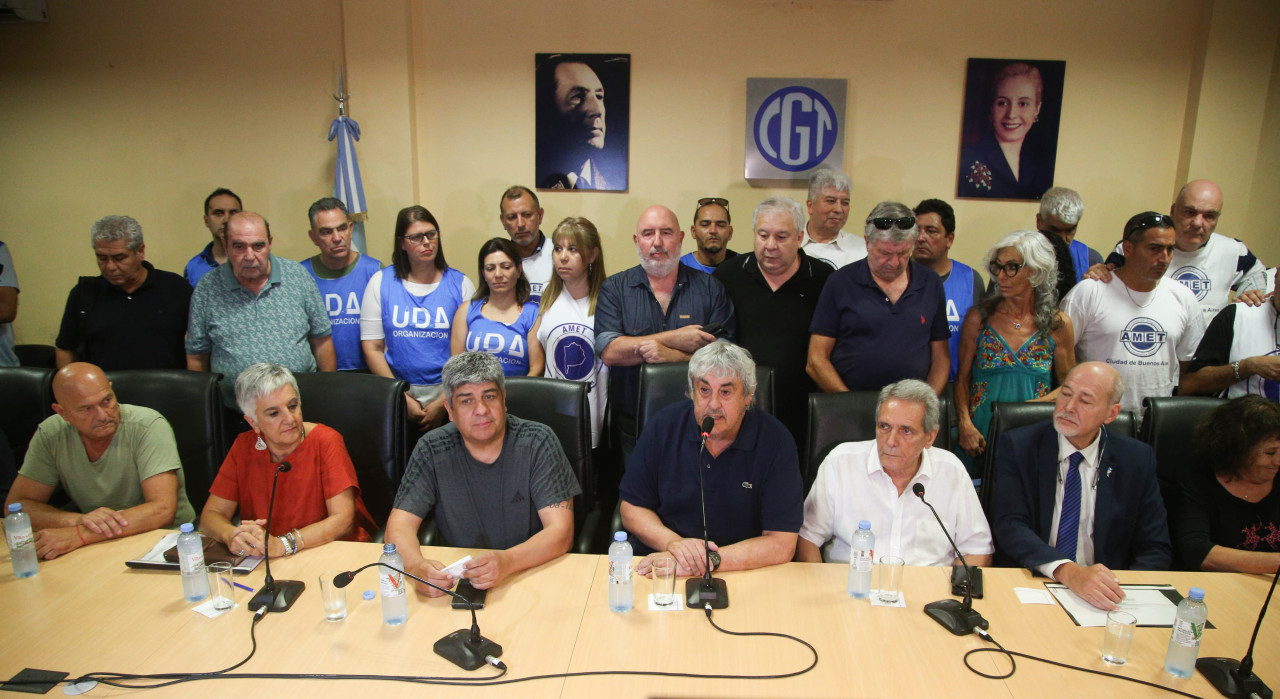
(1196,594)
(15,507)
(368,594)
(864,524)
(186,528)
(388,548)
(619,536)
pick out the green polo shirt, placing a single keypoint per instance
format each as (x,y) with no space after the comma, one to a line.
(238,328)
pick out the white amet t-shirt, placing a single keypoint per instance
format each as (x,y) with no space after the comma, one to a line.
(1144,335)
(844,249)
(537,268)
(1211,272)
(568,338)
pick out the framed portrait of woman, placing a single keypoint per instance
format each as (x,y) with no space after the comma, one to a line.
(583,119)
(1009,140)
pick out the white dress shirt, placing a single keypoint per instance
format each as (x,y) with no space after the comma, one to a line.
(1088,496)
(851,485)
(840,251)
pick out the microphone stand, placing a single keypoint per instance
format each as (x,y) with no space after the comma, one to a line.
(275,595)
(1235,678)
(960,618)
(705,591)
(465,648)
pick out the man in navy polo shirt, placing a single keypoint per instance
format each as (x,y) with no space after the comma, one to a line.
(883,318)
(755,500)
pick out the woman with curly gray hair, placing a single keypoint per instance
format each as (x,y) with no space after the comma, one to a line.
(1014,343)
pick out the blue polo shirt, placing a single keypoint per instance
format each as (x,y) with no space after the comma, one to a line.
(752,487)
(877,342)
(238,328)
(627,307)
(200,265)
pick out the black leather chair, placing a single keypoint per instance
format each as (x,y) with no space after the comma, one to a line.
(836,418)
(1169,426)
(369,412)
(38,356)
(189,400)
(1007,416)
(563,406)
(26,399)
(664,384)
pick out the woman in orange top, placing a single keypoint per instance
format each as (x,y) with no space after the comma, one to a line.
(317,499)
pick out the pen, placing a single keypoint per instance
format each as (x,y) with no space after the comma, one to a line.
(242,587)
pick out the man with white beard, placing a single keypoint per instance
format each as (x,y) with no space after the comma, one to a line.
(658,311)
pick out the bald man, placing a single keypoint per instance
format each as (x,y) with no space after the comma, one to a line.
(1209,264)
(658,311)
(1074,464)
(118,464)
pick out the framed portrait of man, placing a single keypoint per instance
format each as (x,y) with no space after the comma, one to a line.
(1009,141)
(583,109)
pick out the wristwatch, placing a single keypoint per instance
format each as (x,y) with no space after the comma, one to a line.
(715,560)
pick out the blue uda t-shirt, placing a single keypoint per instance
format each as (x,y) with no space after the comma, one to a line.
(416,328)
(509,343)
(342,302)
(959,291)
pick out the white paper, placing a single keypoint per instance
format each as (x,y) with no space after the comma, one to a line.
(1033,595)
(1145,602)
(674,606)
(206,608)
(874,596)
(455,569)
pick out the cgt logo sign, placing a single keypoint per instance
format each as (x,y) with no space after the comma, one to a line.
(793,127)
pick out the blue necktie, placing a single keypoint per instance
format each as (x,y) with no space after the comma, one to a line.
(1069,519)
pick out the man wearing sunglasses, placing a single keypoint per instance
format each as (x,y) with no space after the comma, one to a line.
(883,318)
(1209,264)
(1140,323)
(712,230)
(828,205)
(341,273)
(961,283)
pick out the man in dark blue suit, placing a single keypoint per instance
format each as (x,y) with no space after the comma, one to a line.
(1074,500)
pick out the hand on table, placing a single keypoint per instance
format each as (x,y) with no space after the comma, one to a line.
(434,571)
(104,521)
(1095,584)
(247,538)
(487,569)
(51,543)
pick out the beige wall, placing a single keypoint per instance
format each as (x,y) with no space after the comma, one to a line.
(143,107)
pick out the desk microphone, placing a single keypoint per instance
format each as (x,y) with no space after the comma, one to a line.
(275,595)
(705,592)
(465,648)
(1236,679)
(960,618)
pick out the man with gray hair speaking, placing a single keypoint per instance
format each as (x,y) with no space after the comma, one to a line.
(751,470)
(132,315)
(884,318)
(774,291)
(873,480)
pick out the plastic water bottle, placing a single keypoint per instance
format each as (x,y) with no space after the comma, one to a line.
(861,556)
(620,592)
(195,585)
(1188,629)
(395,603)
(22,543)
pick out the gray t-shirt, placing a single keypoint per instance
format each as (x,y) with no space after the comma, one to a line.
(491,506)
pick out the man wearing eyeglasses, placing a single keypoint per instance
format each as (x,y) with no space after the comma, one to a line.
(712,229)
(256,308)
(1209,264)
(883,318)
(828,205)
(341,274)
(961,283)
(1140,323)
(521,217)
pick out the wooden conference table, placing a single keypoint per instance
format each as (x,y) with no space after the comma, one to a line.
(88,612)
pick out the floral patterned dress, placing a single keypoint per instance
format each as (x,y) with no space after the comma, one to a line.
(1003,375)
